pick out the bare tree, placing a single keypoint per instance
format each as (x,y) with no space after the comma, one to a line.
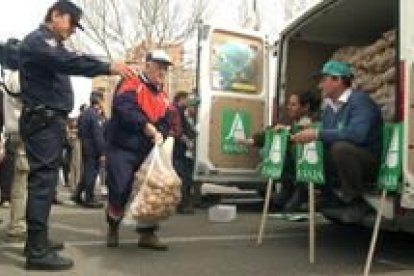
(116,26)
(294,7)
(249,15)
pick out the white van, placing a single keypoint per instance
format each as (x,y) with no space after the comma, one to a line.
(304,45)
(235,90)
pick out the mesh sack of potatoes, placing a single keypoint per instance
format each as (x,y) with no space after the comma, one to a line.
(374,70)
(157,187)
(385,98)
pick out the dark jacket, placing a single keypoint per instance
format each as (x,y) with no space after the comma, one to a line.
(359,122)
(91,133)
(181,129)
(125,129)
(44,68)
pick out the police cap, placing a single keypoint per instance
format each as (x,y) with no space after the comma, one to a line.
(66,6)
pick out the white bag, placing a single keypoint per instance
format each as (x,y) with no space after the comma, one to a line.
(157,187)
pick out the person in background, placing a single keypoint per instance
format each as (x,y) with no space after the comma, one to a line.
(184,134)
(140,119)
(16,230)
(6,171)
(7,157)
(82,108)
(91,135)
(103,120)
(45,66)
(75,161)
(1,133)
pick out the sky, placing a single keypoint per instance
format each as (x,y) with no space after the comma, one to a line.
(19,17)
(30,15)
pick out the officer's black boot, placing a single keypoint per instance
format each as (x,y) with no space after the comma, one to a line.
(54,245)
(112,238)
(41,257)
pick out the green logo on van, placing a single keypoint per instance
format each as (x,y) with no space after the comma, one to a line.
(235,126)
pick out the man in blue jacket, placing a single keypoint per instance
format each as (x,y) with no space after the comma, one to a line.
(44,67)
(351,134)
(91,134)
(140,118)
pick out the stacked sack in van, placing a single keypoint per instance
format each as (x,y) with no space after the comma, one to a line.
(374,70)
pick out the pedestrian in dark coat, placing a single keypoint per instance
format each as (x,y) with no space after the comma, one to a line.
(91,134)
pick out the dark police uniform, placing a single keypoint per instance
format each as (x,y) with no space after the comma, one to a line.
(92,138)
(47,99)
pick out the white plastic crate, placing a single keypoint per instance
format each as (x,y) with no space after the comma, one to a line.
(222,213)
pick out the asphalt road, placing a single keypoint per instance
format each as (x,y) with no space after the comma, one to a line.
(200,247)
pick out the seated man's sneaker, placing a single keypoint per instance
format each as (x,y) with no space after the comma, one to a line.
(352,213)
(323,202)
(356,211)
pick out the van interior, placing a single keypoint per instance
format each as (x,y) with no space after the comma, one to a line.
(312,39)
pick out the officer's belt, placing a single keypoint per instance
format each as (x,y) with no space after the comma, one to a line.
(45,111)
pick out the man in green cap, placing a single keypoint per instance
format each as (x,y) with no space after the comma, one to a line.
(351,135)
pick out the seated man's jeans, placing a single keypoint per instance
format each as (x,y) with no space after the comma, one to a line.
(351,168)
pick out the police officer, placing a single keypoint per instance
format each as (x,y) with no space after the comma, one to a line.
(140,118)
(91,135)
(47,99)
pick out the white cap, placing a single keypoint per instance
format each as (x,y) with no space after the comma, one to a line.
(159,56)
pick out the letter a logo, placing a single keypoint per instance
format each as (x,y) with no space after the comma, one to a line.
(392,154)
(309,154)
(237,131)
(275,153)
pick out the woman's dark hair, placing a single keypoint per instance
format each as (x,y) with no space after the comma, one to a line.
(308,98)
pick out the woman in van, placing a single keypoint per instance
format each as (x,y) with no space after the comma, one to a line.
(301,110)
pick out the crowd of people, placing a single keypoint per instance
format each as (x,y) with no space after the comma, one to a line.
(42,141)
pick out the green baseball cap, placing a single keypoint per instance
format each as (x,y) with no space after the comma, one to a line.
(336,68)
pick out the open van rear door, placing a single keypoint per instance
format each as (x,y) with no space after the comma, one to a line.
(407,88)
(235,102)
